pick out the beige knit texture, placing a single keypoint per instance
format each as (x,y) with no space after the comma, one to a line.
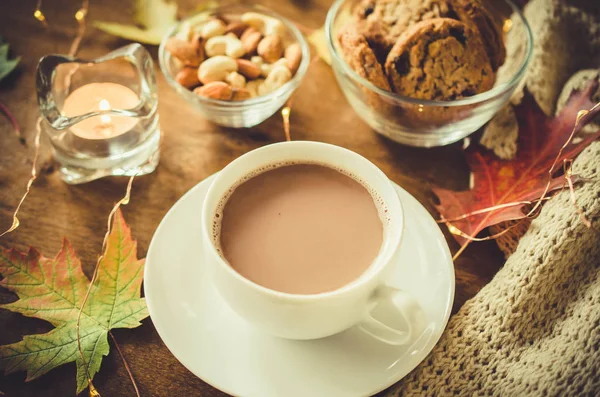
(534,330)
(580,81)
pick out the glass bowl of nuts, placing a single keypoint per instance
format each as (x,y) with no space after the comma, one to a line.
(236,64)
(428,73)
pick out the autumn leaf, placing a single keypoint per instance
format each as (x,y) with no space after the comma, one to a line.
(6,65)
(496,182)
(154,17)
(54,289)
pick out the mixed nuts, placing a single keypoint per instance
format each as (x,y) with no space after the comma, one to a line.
(233,60)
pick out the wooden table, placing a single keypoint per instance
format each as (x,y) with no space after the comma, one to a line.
(192,150)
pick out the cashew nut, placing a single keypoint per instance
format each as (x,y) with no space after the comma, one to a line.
(278,76)
(216,68)
(263,23)
(257,60)
(236,80)
(212,28)
(224,45)
(265,68)
(253,86)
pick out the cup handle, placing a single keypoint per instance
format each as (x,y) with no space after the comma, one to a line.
(397,303)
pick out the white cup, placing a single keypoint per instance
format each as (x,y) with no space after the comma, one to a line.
(296,316)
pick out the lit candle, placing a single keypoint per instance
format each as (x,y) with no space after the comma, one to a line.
(100,96)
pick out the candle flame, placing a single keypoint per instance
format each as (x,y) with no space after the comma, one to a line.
(104,105)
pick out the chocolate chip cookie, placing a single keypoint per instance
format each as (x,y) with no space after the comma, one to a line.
(383,21)
(473,12)
(439,59)
(360,56)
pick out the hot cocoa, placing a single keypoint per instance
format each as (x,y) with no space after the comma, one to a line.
(300,229)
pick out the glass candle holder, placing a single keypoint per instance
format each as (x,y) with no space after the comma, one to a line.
(101,115)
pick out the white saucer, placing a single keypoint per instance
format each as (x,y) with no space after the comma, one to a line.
(221,349)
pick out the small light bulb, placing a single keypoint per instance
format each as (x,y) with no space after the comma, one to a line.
(79,15)
(39,16)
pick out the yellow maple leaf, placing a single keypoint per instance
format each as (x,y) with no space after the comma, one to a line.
(319,41)
(154,17)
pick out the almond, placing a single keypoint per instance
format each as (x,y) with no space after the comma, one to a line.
(240,94)
(270,48)
(183,50)
(293,55)
(250,39)
(248,32)
(236,28)
(215,90)
(247,68)
(188,77)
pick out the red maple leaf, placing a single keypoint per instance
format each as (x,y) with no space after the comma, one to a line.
(497,182)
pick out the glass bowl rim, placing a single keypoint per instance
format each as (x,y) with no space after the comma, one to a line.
(475,99)
(261,99)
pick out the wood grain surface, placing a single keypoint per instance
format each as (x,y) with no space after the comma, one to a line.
(192,150)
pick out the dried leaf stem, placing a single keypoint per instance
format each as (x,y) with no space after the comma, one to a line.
(137,391)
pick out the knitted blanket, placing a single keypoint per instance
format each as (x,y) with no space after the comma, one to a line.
(534,330)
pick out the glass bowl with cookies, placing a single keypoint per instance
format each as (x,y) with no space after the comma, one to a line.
(428,73)
(236,64)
